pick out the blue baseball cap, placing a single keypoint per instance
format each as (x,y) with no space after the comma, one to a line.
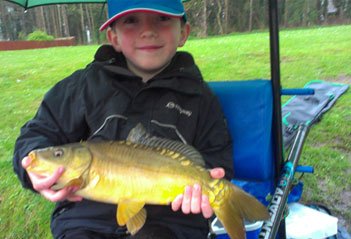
(119,8)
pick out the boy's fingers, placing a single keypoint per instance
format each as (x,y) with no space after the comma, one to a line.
(217,173)
(56,196)
(26,162)
(206,208)
(74,198)
(177,202)
(41,183)
(196,199)
(66,193)
(186,204)
(192,201)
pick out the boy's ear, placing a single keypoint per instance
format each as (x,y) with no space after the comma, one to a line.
(184,34)
(113,39)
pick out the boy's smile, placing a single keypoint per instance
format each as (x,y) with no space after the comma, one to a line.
(148,41)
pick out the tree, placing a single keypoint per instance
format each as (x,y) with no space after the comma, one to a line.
(286,13)
(219,17)
(64,21)
(40,18)
(250,15)
(226,16)
(204,17)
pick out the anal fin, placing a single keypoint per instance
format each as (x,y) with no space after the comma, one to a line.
(132,214)
(135,223)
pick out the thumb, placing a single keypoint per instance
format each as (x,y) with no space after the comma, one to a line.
(217,173)
(26,162)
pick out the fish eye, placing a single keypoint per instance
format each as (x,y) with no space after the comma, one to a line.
(58,153)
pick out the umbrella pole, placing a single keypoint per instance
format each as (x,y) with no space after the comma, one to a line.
(275,77)
(276,87)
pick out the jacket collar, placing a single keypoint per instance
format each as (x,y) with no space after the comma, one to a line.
(180,75)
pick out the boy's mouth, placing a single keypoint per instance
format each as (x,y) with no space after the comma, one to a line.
(150,47)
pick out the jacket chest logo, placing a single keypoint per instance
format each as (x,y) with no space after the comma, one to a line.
(172,105)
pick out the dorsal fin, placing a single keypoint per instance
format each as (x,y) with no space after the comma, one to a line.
(139,135)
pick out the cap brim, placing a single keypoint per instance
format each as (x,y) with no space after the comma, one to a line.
(115,17)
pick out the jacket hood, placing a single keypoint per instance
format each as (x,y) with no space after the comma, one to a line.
(182,64)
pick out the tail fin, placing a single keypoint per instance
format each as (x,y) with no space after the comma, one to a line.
(236,206)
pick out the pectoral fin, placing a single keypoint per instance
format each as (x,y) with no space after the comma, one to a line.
(77,182)
(131,214)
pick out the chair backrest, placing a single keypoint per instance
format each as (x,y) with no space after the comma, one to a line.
(248,107)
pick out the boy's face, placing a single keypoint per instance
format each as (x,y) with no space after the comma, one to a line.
(148,40)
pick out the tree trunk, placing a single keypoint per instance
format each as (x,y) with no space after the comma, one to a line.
(219,18)
(89,23)
(65,26)
(40,18)
(3,21)
(204,22)
(226,16)
(94,30)
(325,11)
(286,13)
(55,21)
(250,15)
(60,22)
(82,23)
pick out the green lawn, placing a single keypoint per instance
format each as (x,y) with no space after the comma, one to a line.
(306,54)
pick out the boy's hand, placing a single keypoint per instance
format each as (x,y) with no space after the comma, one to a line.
(43,184)
(192,201)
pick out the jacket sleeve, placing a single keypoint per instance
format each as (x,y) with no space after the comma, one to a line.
(213,139)
(59,120)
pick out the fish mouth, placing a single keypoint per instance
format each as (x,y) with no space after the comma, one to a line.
(35,165)
(32,157)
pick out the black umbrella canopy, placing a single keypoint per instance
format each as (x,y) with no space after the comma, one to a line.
(36,3)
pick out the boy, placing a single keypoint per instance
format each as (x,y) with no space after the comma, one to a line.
(138,78)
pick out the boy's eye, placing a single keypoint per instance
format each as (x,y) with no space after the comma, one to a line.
(130,20)
(164,18)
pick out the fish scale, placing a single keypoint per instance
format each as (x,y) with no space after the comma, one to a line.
(122,162)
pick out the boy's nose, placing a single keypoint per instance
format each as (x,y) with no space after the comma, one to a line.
(148,29)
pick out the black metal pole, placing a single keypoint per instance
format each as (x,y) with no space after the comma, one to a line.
(276,88)
(275,77)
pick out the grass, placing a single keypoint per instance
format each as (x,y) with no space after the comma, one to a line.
(306,54)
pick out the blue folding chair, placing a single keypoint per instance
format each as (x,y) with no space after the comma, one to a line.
(249,109)
(247,106)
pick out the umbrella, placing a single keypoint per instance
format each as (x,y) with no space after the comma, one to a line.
(35,3)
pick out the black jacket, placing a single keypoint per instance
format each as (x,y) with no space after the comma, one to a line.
(104,101)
